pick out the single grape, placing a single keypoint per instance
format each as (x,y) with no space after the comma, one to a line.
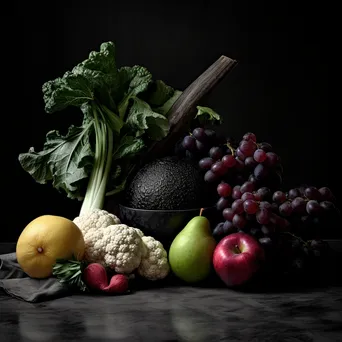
(265,205)
(285,208)
(265,146)
(261,172)
(236,193)
(263,216)
(329,207)
(312,193)
(239,221)
(201,147)
(326,194)
(293,193)
(228,228)
(239,154)
(218,168)
(279,197)
(247,195)
(218,230)
(216,153)
(259,155)
(250,162)
(237,206)
(298,205)
(239,164)
(211,177)
(199,134)
(189,143)
(228,161)
(247,147)
(264,193)
(206,163)
(249,136)
(222,203)
(224,189)
(313,208)
(228,214)
(247,187)
(250,206)
(272,159)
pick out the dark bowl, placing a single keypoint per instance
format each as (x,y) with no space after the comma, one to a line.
(163,225)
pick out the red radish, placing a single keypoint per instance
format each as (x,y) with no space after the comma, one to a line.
(118,284)
(95,277)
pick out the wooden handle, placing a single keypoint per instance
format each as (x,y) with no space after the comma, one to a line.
(183,110)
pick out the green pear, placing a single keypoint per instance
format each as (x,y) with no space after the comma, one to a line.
(191,251)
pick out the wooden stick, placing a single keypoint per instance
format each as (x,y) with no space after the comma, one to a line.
(183,110)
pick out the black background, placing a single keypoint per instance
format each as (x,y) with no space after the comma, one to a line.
(279,90)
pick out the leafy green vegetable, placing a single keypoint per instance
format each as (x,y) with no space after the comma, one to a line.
(123,111)
(207,115)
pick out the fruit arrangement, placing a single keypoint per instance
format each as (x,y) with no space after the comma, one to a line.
(126,115)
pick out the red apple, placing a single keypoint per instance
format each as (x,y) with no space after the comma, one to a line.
(236,258)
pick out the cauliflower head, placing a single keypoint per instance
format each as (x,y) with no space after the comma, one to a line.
(95,219)
(154,263)
(123,248)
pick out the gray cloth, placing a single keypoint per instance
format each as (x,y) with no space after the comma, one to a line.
(16,283)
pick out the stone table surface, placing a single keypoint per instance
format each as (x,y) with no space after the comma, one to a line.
(181,313)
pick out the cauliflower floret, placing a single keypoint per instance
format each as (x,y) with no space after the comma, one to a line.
(154,264)
(94,249)
(140,233)
(123,248)
(96,218)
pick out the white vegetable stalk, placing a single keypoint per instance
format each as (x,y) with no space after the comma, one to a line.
(95,194)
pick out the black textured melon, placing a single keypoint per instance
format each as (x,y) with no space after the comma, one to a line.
(169,183)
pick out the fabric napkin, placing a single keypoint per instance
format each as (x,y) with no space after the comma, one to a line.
(16,283)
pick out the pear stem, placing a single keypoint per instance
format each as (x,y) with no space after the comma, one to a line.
(201,211)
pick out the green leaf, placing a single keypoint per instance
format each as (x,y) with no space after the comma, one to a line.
(158,93)
(207,115)
(128,146)
(65,160)
(69,90)
(164,109)
(133,81)
(101,71)
(144,120)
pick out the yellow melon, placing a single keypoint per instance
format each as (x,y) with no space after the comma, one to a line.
(46,239)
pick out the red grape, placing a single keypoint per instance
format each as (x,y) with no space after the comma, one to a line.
(247,187)
(298,205)
(228,161)
(228,214)
(247,195)
(199,134)
(249,136)
(237,206)
(260,155)
(236,193)
(279,197)
(224,189)
(272,159)
(240,154)
(285,208)
(189,143)
(239,221)
(250,206)
(326,194)
(263,216)
(218,168)
(222,203)
(206,163)
(216,153)
(247,147)
(211,177)
(313,208)
(312,193)
(250,162)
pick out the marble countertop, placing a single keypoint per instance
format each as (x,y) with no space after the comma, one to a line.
(178,314)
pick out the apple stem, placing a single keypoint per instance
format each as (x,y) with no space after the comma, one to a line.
(201,211)
(237,248)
